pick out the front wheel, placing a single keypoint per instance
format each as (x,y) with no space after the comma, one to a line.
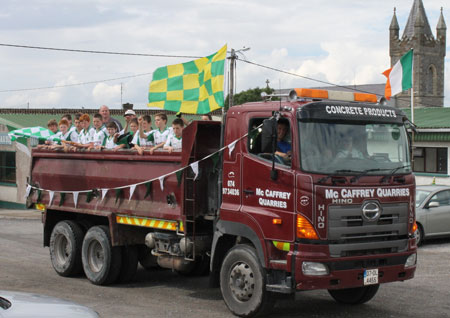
(354,296)
(243,283)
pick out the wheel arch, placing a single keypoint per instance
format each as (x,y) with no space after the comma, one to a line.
(226,235)
(52,217)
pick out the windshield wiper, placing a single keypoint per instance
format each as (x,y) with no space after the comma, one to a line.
(331,176)
(364,172)
(391,173)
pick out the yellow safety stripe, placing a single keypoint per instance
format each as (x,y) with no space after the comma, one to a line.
(40,206)
(282,246)
(146,222)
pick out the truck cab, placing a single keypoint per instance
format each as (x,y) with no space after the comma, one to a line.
(337,213)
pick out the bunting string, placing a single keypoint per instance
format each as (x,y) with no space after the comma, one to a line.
(194,166)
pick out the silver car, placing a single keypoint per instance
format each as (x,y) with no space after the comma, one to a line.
(432,212)
(22,305)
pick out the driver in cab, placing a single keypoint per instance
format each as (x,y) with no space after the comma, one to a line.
(284,148)
(348,150)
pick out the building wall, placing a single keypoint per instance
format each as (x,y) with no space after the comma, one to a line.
(429,178)
(14,195)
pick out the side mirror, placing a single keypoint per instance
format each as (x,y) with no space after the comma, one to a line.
(269,132)
(433,204)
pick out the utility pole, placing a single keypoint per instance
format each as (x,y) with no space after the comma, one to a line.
(121,93)
(233,59)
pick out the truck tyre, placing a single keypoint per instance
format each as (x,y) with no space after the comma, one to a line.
(419,235)
(101,261)
(354,296)
(243,283)
(65,248)
(129,264)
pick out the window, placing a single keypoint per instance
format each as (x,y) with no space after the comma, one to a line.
(283,150)
(430,160)
(340,148)
(443,198)
(431,80)
(7,167)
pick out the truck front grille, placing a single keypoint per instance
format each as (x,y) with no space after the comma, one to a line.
(351,235)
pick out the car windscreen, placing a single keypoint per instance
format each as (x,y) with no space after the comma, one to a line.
(345,148)
(420,196)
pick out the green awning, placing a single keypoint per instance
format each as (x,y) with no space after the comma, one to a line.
(432,136)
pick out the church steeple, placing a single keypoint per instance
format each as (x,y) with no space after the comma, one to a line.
(441,23)
(441,30)
(429,56)
(394,22)
(417,17)
(394,28)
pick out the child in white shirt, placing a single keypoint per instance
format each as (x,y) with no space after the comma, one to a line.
(174,141)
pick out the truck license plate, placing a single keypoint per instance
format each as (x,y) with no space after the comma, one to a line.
(371,276)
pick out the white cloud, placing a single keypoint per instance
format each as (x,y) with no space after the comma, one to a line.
(106,94)
(340,42)
(279,53)
(346,63)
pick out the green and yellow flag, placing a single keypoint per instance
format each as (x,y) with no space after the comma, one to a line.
(194,87)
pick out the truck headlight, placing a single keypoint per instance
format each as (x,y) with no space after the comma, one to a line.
(411,260)
(314,269)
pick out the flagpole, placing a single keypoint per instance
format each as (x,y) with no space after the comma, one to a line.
(412,111)
(412,90)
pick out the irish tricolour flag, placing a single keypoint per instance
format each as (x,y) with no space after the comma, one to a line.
(399,77)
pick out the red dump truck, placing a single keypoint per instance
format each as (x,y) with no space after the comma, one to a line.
(336,212)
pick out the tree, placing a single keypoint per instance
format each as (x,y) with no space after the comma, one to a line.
(250,95)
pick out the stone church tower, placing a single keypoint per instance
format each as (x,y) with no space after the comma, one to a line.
(429,57)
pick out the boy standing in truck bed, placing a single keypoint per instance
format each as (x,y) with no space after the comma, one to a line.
(161,133)
(109,141)
(99,134)
(174,142)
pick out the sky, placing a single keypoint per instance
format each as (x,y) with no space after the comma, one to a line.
(342,42)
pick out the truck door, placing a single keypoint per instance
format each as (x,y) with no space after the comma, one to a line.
(269,202)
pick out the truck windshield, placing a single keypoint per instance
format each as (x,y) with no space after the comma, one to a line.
(335,148)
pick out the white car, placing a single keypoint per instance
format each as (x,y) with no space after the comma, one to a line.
(432,212)
(25,305)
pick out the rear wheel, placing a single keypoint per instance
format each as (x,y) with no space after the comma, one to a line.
(101,261)
(65,248)
(243,283)
(354,296)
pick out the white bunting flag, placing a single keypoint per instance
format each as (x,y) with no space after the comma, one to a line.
(161,182)
(194,167)
(231,147)
(104,192)
(51,194)
(132,188)
(75,198)
(27,192)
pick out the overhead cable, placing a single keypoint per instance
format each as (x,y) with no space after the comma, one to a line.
(76,84)
(95,52)
(306,77)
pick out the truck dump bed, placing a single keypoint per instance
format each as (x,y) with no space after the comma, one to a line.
(65,174)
